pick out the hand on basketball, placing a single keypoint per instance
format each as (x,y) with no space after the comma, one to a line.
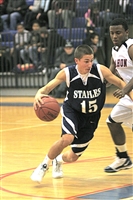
(46,107)
(118,94)
(38,100)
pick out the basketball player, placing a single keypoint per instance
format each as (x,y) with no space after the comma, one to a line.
(80,111)
(122,113)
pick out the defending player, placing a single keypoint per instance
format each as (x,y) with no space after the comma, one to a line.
(80,111)
(122,62)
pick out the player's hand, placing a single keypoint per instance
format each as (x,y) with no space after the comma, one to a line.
(118,93)
(38,100)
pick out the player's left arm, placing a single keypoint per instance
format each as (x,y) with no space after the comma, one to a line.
(111,78)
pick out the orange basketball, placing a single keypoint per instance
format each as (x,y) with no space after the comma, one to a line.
(49,110)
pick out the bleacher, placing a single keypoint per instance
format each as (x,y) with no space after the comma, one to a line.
(29,2)
(76,34)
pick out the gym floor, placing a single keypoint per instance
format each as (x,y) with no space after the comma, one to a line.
(24,142)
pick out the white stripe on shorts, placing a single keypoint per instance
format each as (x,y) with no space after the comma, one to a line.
(69,122)
(80,145)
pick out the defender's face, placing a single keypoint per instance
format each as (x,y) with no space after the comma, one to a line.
(118,35)
(85,63)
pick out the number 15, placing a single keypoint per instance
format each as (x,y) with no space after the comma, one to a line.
(92,106)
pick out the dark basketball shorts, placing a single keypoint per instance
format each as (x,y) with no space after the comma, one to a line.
(81,125)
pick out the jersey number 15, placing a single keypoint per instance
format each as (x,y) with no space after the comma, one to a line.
(92,106)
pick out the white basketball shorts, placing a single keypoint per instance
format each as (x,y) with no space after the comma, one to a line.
(122,112)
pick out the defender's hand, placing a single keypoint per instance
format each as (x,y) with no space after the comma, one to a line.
(118,93)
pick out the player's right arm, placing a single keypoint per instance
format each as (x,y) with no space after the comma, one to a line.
(112,69)
(44,91)
(111,78)
(112,66)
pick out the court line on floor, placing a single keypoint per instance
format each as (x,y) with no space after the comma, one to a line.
(19,104)
(23,127)
(79,196)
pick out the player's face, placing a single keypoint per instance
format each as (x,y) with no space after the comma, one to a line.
(118,35)
(85,63)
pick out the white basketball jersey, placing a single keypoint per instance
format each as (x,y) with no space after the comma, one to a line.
(124,64)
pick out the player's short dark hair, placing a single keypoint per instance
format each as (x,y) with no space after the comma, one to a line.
(120,21)
(82,50)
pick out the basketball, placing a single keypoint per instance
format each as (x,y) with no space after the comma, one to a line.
(49,110)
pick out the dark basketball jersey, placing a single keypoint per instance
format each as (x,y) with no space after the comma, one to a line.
(85,93)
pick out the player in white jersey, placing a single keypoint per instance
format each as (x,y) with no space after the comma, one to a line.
(122,113)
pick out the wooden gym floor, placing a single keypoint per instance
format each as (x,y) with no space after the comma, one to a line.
(25,141)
